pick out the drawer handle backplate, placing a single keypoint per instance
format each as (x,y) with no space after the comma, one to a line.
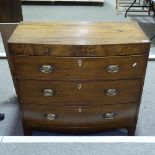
(109,115)
(112,92)
(46,68)
(113,68)
(50,117)
(48,92)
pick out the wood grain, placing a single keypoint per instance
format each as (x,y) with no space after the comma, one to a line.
(71,117)
(79,97)
(78,39)
(10,11)
(28,67)
(90,91)
(78,50)
(78,33)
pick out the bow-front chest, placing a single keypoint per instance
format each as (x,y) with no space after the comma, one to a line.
(78,77)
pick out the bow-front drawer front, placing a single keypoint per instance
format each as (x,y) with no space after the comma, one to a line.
(50,68)
(79,116)
(80,91)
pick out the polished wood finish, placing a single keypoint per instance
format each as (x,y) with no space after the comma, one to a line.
(89,91)
(78,33)
(10,11)
(78,50)
(62,76)
(78,39)
(88,117)
(29,67)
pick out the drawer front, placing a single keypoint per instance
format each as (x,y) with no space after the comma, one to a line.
(80,116)
(49,68)
(80,91)
(79,50)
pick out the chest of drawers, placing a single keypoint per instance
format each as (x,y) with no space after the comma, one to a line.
(78,77)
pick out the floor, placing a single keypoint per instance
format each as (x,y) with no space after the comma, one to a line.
(146,121)
(77,145)
(77,148)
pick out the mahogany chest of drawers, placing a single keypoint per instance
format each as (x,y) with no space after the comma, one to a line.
(78,77)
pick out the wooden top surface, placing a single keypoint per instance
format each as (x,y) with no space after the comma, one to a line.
(78,33)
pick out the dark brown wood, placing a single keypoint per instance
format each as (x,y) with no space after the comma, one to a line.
(89,91)
(10,11)
(28,67)
(131,130)
(27,130)
(78,50)
(80,53)
(87,117)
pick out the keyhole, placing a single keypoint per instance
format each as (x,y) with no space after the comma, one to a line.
(79,86)
(135,64)
(80,62)
(80,109)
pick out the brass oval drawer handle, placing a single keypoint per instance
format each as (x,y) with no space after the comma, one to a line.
(48,92)
(109,115)
(113,68)
(112,92)
(50,116)
(46,68)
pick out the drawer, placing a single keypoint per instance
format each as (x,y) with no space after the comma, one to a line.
(81,49)
(79,116)
(50,68)
(118,91)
